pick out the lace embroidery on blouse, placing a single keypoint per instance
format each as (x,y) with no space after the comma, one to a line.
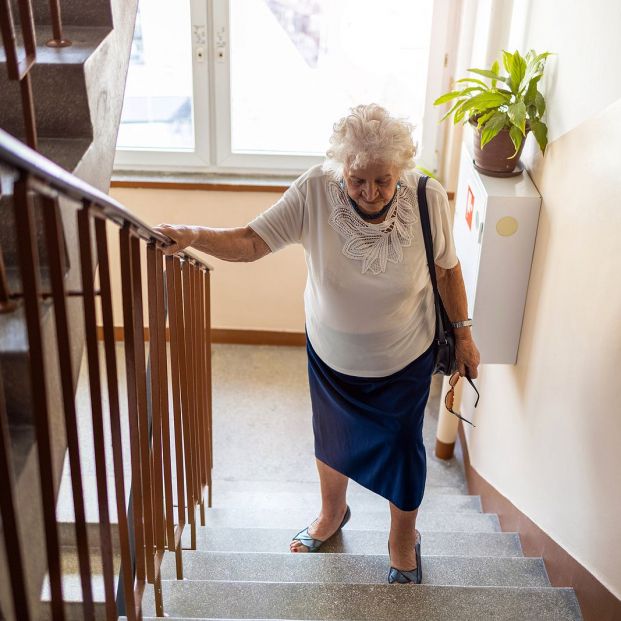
(374,244)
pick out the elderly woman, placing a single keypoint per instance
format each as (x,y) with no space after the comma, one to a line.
(370,316)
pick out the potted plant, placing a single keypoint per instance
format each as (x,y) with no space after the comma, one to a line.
(503,111)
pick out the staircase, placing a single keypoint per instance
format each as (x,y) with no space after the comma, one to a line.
(78,96)
(242,569)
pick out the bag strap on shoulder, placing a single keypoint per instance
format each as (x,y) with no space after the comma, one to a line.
(421,193)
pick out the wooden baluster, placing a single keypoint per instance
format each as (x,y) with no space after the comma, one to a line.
(94,377)
(172,264)
(56,256)
(126,576)
(29,266)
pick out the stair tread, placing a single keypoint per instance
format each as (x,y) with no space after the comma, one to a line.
(364,499)
(380,602)
(348,568)
(224,489)
(359,541)
(367,519)
(66,152)
(84,40)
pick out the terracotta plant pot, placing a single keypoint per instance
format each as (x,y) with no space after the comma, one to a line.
(495,156)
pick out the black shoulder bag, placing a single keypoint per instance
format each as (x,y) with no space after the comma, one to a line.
(444,339)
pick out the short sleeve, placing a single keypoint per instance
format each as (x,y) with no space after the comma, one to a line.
(282,223)
(441,225)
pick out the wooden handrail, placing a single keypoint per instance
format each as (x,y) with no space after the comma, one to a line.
(152,525)
(20,156)
(19,69)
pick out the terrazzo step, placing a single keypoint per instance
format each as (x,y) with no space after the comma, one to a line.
(438,543)
(377,602)
(59,85)
(369,519)
(82,12)
(354,569)
(357,501)
(72,587)
(226,492)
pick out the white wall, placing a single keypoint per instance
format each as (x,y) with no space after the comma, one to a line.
(582,78)
(549,428)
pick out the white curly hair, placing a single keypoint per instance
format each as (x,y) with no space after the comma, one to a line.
(369,134)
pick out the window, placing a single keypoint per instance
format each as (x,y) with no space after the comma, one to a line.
(256,85)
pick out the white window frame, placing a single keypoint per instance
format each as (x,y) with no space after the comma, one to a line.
(212,112)
(177,160)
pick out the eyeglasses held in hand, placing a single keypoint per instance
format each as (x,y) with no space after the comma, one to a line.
(450,397)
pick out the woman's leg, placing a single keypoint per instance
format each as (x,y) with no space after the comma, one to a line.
(402,538)
(333,505)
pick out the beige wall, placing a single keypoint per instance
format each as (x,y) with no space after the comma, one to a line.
(266,295)
(548,432)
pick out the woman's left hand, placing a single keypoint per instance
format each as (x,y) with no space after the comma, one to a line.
(467,355)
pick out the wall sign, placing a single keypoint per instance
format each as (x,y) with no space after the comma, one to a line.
(469,207)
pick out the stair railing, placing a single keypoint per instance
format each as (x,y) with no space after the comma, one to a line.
(18,68)
(19,65)
(174,463)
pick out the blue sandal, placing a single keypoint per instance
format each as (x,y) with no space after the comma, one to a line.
(413,575)
(314,544)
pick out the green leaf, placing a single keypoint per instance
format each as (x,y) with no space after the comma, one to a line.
(459,115)
(531,91)
(517,115)
(495,69)
(540,130)
(516,138)
(447,97)
(507,61)
(518,70)
(488,74)
(474,81)
(542,58)
(485,117)
(455,106)
(540,103)
(485,101)
(493,127)
(452,94)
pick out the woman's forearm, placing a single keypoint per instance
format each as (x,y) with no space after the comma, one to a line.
(453,293)
(239,244)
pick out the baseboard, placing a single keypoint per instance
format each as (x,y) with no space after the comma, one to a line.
(232,337)
(596,601)
(257,337)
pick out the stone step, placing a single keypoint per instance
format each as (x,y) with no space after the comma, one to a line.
(72,586)
(444,503)
(358,500)
(447,543)
(368,519)
(377,602)
(227,493)
(59,86)
(73,12)
(355,569)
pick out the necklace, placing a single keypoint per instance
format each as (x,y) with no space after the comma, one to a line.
(367,217)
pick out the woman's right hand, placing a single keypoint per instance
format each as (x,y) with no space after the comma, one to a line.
(183,236)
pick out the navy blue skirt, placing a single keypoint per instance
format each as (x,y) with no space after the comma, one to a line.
(371,428)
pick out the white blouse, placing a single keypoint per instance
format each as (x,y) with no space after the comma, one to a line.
(368,299)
